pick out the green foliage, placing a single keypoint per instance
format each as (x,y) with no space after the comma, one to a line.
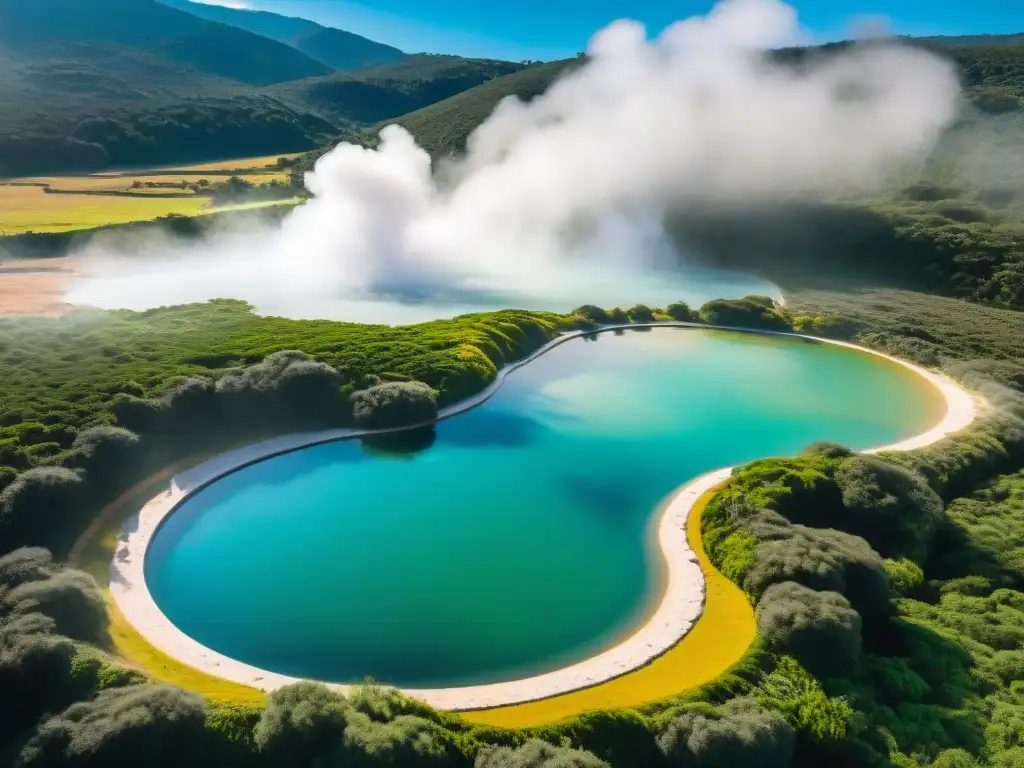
(681,311)
(301,722)
(40,506)
(819,629)
(153,725)
(537,754)
(905,576)
(407,741)
(749,312)
(892,508)
(32,584)
(739,734)
(394,404)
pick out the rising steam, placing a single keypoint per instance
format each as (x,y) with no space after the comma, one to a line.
(562,200)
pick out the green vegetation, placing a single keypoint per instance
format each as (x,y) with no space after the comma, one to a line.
(394,404)
(135,82)
(887,589)
(334,47)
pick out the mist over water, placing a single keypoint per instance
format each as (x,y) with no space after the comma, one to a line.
(560,201)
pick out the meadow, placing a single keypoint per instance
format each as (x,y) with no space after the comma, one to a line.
(54,204)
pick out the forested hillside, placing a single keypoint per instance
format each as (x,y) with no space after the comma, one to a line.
(334,47)
(91,84)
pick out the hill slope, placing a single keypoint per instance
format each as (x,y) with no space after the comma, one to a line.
(338,49)
(443,128)
(382,93)
(44,29)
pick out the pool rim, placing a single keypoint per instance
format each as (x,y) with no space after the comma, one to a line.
(680,605)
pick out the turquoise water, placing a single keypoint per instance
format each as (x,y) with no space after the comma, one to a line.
(519,541)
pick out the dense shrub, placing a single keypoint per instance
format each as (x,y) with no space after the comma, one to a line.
(826,560)
(394,404)
(35,672)
(892,508)
(110,456)
(40,508)
(152,725)
(819,629)
(595,315)
(405,742)
(681,311)
(301,722)
(286,389)
(31,583)
(537,754)
(758,312)
(740,734)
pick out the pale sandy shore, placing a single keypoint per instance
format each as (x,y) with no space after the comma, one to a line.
(680,607)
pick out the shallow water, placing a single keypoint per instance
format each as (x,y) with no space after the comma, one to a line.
(520,540)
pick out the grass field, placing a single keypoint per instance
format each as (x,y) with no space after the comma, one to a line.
(124,183)
(243,164)
(25,206)
(30,209)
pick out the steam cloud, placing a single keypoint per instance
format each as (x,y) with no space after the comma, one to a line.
(557,197)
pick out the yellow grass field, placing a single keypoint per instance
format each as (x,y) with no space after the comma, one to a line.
(719,639)
(30,209)
(26,207)
(124,183)
(243,164)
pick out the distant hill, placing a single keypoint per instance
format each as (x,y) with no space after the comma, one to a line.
(394,89)
(88,84)
(336,48)
(160,36)
(443,128)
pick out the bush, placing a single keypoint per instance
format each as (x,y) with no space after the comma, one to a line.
(151,725)
(31,583)
(405,742)
(71,598)
(892,508)
(758,312)
(110,457)
(740,734)
(641,313)
(394,404)
(681,311)
(537,754)
(593,314)
(43,506)
(35,672)
(905,576)
(824,560)
(819,629)
(300,723)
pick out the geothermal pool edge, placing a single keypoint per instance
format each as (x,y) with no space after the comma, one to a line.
(681,602)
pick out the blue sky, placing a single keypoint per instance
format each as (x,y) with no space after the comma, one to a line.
(549,29)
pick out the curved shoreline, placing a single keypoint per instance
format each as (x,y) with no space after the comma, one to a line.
(681,603)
